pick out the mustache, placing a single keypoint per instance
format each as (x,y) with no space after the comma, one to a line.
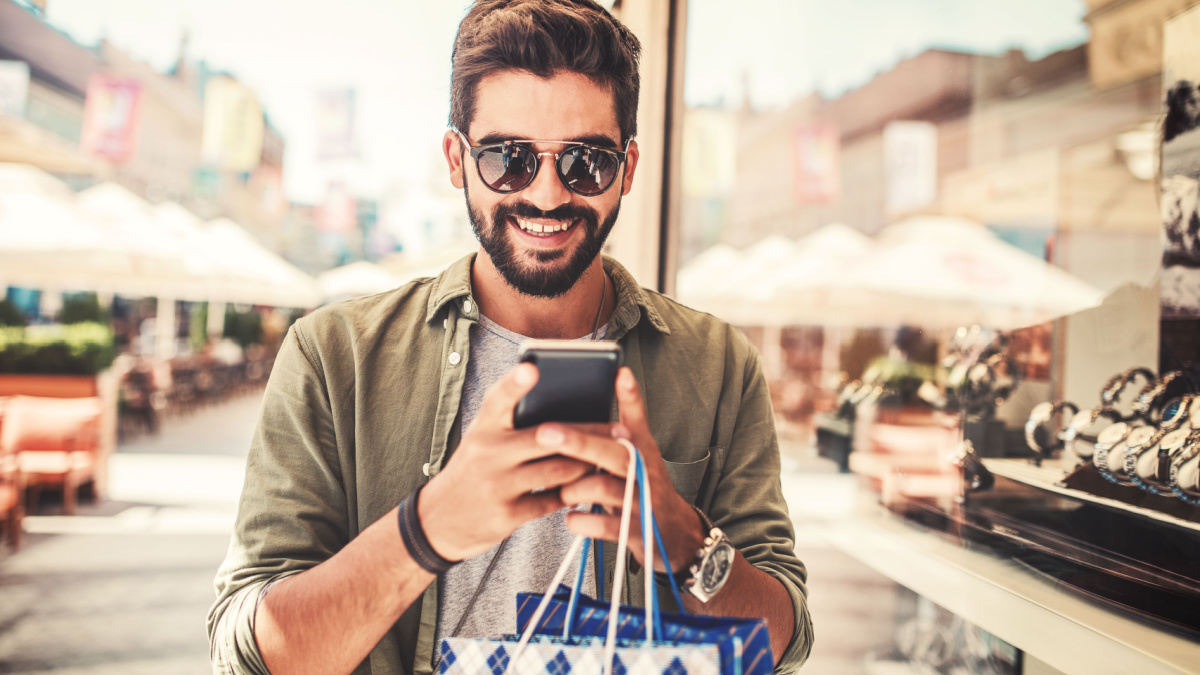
(525,210)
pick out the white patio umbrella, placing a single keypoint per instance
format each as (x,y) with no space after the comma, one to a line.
(355,280)
(777,282)
(694,276)
(46,241)
(271,281)
(162,265)
(946,272)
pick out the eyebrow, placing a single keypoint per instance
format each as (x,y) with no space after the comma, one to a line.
(598,140)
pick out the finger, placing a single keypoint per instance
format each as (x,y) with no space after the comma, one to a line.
(496,410)
(632,408)
(601,451)
(598,488)
(593,428)
(551,472)
(606,527)
(533,506)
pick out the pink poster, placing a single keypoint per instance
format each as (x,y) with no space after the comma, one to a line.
(110,118)
(817,177)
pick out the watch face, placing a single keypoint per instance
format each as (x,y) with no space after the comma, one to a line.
(1175,439)
(1112,434)
(1139,436)
(716,568)
(1173,412)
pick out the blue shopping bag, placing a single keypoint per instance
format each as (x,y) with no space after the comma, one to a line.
(566,632)
(744,645)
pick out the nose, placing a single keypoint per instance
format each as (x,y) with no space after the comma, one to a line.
(546,191)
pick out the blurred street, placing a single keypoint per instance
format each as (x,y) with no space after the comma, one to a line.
(124,586)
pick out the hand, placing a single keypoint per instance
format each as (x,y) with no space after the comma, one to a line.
(484,492)
(682,530)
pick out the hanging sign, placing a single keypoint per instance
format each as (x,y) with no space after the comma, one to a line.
(110,118)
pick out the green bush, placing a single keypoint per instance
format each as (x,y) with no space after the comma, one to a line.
(10,314)
(76,349)
(82,308)
(245,328)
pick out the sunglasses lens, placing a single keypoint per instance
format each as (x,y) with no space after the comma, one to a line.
(508,168)
(587,171)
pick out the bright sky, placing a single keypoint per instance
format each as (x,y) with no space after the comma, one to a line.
(397,54)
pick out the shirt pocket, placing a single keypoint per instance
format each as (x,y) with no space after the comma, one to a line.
(688,476)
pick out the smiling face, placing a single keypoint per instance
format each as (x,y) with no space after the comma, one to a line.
(543,238)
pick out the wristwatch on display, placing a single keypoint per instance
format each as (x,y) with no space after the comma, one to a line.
(1050,439)
(1184,477)
(1079,426)
(1139,437)
(1142,466)
(1111,392)
(1112,436)
(714,561)
(1153,396)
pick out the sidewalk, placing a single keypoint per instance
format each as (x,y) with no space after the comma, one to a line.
(124,587)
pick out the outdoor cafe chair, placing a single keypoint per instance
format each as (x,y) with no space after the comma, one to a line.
(56,441)
(12,491)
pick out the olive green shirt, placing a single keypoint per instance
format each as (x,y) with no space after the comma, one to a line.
(362,407)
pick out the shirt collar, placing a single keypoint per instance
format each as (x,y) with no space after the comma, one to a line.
(633,302)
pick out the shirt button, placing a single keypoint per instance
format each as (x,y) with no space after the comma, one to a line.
(445,324)
(455,358)
(466,306)
(425,469)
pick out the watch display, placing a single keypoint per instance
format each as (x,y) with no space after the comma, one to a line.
(1184,476)
(1142,464)
(1080,435)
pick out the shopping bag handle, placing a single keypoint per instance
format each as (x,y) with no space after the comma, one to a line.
(610,642)
(572,604)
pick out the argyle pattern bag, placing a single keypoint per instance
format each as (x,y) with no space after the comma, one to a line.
(744,645)
(574,656)
(612,639)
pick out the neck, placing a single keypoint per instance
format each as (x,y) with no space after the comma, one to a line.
(568,316)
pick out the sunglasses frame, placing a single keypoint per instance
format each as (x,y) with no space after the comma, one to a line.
(476,150)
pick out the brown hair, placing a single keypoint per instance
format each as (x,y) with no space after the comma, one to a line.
(544,37)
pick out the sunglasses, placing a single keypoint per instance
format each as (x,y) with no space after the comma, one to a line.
(511,166)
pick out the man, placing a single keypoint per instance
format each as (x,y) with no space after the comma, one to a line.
(380,401)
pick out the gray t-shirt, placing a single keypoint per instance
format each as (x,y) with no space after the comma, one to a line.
(534,552)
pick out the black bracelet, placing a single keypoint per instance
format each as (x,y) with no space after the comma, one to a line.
(414,538)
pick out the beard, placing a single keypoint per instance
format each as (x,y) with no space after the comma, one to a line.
(532,273)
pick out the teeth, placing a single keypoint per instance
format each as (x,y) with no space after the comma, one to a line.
(543,230)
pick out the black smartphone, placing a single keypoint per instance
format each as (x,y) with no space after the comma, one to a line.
(576,382)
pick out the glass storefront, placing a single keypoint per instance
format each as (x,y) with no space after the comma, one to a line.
(964,242)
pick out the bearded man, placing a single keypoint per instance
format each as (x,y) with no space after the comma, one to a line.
(407,398)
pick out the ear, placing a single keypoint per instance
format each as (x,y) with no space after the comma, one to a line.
(631,160)
(453,150)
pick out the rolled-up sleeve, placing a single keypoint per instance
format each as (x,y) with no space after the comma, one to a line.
(748,505)
(293,511)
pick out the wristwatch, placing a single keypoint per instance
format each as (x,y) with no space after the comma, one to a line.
(1184,477)
(1113,388)
(1150,401)
(713,563)
(1113,469)
(1080,424)
(1050,439)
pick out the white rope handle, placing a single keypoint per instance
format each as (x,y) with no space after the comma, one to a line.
(610,642)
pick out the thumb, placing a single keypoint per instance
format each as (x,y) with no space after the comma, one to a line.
(496,410)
